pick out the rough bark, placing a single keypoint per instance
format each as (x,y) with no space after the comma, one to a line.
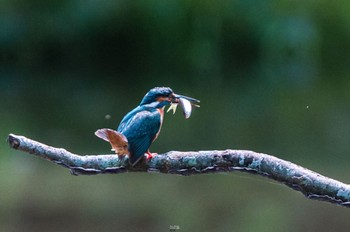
(311,184)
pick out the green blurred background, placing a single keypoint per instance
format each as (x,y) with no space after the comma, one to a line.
(272,76)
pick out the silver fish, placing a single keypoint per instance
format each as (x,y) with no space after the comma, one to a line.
(186,107)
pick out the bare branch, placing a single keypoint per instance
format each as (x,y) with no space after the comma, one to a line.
(311,184)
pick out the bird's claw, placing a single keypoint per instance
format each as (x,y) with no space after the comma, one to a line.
(150,155)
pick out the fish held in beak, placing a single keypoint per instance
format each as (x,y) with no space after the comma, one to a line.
(185,103)
(172,107)
(186,107)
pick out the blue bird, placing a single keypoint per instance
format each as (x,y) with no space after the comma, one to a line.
(141,126)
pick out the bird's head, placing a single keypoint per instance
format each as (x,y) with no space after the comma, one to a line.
(159,97)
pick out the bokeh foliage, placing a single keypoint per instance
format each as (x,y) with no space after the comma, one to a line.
(273,76)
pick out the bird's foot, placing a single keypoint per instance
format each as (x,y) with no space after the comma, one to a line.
(150,155)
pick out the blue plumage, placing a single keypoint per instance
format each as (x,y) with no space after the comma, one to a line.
(141,126)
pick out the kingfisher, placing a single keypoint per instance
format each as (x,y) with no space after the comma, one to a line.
(140,127)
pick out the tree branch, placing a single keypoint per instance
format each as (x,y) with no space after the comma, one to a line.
(311,184)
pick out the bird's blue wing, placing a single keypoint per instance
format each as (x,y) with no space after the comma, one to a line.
(140,130)
(128,118)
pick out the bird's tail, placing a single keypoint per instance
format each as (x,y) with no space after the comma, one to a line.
(117,140)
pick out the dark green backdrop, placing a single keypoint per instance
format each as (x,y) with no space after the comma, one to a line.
(272,76)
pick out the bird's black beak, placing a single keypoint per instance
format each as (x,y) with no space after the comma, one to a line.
(193,101)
